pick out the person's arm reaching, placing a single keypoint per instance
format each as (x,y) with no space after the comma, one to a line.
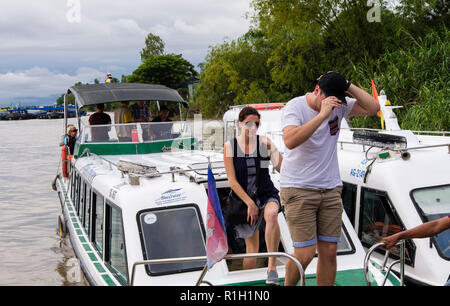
(427,229)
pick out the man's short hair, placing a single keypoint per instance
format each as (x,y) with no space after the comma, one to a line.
(101,106)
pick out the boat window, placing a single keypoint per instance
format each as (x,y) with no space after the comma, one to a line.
(378,220)
(349,200)
(345,246)
(115,244)
(97,226)
(82,201)
(72,186)
(434,203)
(135,132)
(77,193)
(87,219)
(171,233)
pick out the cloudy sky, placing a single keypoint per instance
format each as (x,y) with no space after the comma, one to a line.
(48,45)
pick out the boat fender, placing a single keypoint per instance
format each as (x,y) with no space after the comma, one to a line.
(62,228)
(54,183)
(64,161)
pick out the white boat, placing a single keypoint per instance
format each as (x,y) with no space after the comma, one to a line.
(393,180)
(135,211)
(393,186)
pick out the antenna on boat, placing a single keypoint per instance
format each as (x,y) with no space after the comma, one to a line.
(209,161)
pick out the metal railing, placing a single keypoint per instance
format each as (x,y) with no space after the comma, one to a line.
(205,269)
(400,150)
(400,261)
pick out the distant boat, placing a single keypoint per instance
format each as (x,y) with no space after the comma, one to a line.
(39,112)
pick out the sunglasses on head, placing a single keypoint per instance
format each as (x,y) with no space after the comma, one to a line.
(251,123)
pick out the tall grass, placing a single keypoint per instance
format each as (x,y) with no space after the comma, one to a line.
(416,78)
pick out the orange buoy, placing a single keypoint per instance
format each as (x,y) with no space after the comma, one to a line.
(267,106)
(64,161)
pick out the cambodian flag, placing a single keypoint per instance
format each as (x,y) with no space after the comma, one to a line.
(216,237)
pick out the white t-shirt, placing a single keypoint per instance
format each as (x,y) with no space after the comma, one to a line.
(313,164)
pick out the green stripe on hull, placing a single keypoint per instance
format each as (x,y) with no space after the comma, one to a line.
(86,246)
(108,280)
(116,148)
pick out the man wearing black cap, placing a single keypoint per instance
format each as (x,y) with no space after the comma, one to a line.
(310,182)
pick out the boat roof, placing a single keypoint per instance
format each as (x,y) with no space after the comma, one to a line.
(92,94)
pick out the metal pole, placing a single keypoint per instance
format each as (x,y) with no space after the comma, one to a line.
(65,113)
(200,279)
(402,263)
(202,258)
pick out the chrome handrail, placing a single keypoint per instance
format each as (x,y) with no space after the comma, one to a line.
(400,150)
(231,256)
(401,261)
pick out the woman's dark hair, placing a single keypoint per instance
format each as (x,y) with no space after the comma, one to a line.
(247,111)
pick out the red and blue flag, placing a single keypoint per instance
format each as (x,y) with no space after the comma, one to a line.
(216,237)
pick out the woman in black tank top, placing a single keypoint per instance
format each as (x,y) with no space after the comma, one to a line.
(246,160)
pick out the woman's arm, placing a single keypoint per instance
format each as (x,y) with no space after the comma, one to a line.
(275,156)
(253,210)
(63,141)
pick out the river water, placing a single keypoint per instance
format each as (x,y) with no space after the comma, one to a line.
(31,252)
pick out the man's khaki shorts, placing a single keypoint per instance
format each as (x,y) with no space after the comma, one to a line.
(312,214)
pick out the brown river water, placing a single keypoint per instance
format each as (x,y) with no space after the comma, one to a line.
(31,252)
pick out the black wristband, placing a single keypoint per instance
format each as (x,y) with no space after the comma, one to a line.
(348,85)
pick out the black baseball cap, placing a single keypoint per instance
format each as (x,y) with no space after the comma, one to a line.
(334,84)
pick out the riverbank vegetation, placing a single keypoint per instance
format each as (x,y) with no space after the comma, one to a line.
(402,46)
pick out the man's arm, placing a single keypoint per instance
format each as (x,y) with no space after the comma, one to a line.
(427,229)
(294,136)
(365,104)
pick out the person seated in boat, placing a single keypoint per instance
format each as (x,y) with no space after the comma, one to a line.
(123,115)
(162,130)
(99,134)
(70,138)
(61,144)
(141,113)
(253,196)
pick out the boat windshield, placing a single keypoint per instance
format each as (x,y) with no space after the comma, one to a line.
(434,203)
(172,233)
(134,132)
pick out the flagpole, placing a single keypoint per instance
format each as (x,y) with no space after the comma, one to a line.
(200,280)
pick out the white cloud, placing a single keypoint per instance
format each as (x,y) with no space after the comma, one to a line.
(40,82)
(109,36)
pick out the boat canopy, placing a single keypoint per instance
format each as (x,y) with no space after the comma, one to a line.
(92,94)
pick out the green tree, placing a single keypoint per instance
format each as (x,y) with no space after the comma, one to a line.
(416,78)
(71,98)
(154,46)
(235,73)
(292,42)
(170,70)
